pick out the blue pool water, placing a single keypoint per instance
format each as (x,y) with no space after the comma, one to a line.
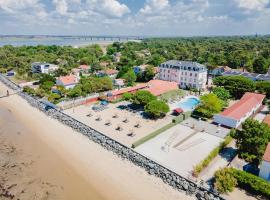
(188,104)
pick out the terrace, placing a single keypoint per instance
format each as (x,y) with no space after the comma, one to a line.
(119,121)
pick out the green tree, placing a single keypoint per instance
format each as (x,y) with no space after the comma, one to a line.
(224,180)
(130,77)
(210,105)
(222,94)
(263,87)
(260,65)
(149,73)
(46,78)
(156,108)
(127,96)
(252,139)
(142,97)
(47,85)
(236,85)
(75,92)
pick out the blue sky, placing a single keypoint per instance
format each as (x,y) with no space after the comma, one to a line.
(135,17)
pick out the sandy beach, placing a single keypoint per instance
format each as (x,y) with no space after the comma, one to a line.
(47,160)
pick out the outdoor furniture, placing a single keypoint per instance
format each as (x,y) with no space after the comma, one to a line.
(138,124)
(115,115)
(108,123)
(89,115)
(119,127)
(98,118)
(131,133)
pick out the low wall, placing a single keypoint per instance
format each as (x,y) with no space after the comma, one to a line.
(169,177)
(77,102)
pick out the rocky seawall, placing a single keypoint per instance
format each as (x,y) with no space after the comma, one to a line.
(169,177)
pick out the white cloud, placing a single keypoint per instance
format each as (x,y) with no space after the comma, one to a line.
(154,6)
(111,8)
(61,6)
(253,4)
(12,5)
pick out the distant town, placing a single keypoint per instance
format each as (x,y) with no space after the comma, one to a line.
(197,106)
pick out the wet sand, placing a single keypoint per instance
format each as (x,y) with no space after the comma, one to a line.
(29,169)
(43,159)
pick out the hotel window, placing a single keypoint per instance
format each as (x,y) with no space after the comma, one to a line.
(182,73)
(181,78)
(190,74)
(168,71)
(195,75)
(185,73)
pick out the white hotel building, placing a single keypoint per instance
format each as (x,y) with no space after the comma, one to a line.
(185,73)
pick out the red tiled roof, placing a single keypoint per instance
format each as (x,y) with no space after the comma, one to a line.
(84,67)
(158,87)
(111,71)
(68,80)
(130,89)
(267,120)
(243,106)
(266,156)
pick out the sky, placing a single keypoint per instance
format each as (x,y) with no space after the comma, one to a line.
(135,17)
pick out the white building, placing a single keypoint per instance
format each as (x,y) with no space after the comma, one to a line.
(265,166)
(236,114)
(43,68)
(185,73)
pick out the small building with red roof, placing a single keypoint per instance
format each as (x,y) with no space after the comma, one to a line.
(236,114)
(68,82)
(156,87)
(265,165)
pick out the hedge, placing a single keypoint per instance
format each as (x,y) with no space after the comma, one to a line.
(181,117)
(204,163)
(174,122)
(252,183)
(249,182)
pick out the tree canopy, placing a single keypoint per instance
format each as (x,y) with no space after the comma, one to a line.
(236,85)
(210,105)
(156,108)
(142,97)
(251,141)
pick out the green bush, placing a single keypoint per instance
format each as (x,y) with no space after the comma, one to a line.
(204,163)
(127,96)
(249,182)
(29,91)
(225,181)
(181,117)
(156,108)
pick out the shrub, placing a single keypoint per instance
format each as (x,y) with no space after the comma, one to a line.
(29,90)
(204,163)
(252,183)
(225,180)
(156,108)
(127,96)
(249,182)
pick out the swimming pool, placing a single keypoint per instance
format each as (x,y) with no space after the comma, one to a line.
(188,104)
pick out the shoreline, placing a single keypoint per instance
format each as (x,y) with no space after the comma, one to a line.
(117,178)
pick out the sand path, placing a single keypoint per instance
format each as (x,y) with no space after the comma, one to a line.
(87,170)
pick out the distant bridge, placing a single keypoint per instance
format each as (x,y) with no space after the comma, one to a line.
(80,37)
